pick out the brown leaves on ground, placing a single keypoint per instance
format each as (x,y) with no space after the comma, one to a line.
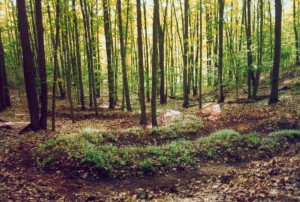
(277,179)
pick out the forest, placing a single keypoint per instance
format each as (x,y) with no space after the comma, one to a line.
(159,100)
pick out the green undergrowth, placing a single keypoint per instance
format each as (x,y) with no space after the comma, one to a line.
(85,150)
(179,127)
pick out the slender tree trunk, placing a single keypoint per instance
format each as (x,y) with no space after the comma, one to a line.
(109,43)
(123,58)
(68,64)
(260,50)
(57,26)
(209,39)
(29,67)
(2,85)
(87,49)
(89,19)
(147,54)
(154,62)
(141,62)
(162,30)
(201,55)
(42,64)
(296,33)
(185,56)
(249,44)
(277,53)
(78,57)
(271,34)
(220,72)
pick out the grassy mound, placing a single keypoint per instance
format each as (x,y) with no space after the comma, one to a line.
(85,152)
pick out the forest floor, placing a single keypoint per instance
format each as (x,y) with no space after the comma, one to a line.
(276,178)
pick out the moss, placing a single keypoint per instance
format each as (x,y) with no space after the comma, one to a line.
(290,135)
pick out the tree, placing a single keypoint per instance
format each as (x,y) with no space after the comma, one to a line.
(185,55)
(154,61)
(141,67)
(147,53)
(4,92)
(220,72)
(201,55)
(87,18)
(123,58)
(28,66)
(161,31)
(260,49)
(66,48)
(109,44)
(277,53)
(55,53)
(249,44)
(78,58)
(42,64)
(296,33)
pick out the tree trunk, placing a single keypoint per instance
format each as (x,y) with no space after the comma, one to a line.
(201,55)
(220,70)
(42,64)
(78,57)
(260,49)
(147,54)
(123,58)
(162,30)
(249,44)
(109,43)
(29,67)
(68,63)
(56,44)
(277,53)
(141,68)
(154,62)
(2,67)
(296,33)
(185,56)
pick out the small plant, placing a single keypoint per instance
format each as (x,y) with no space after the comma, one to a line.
(290,135)
(254,139)
(179,127)
(147,165)
(91,135)
(136,131)
(210,153)
(225,134)
(96,158)
(108,136)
